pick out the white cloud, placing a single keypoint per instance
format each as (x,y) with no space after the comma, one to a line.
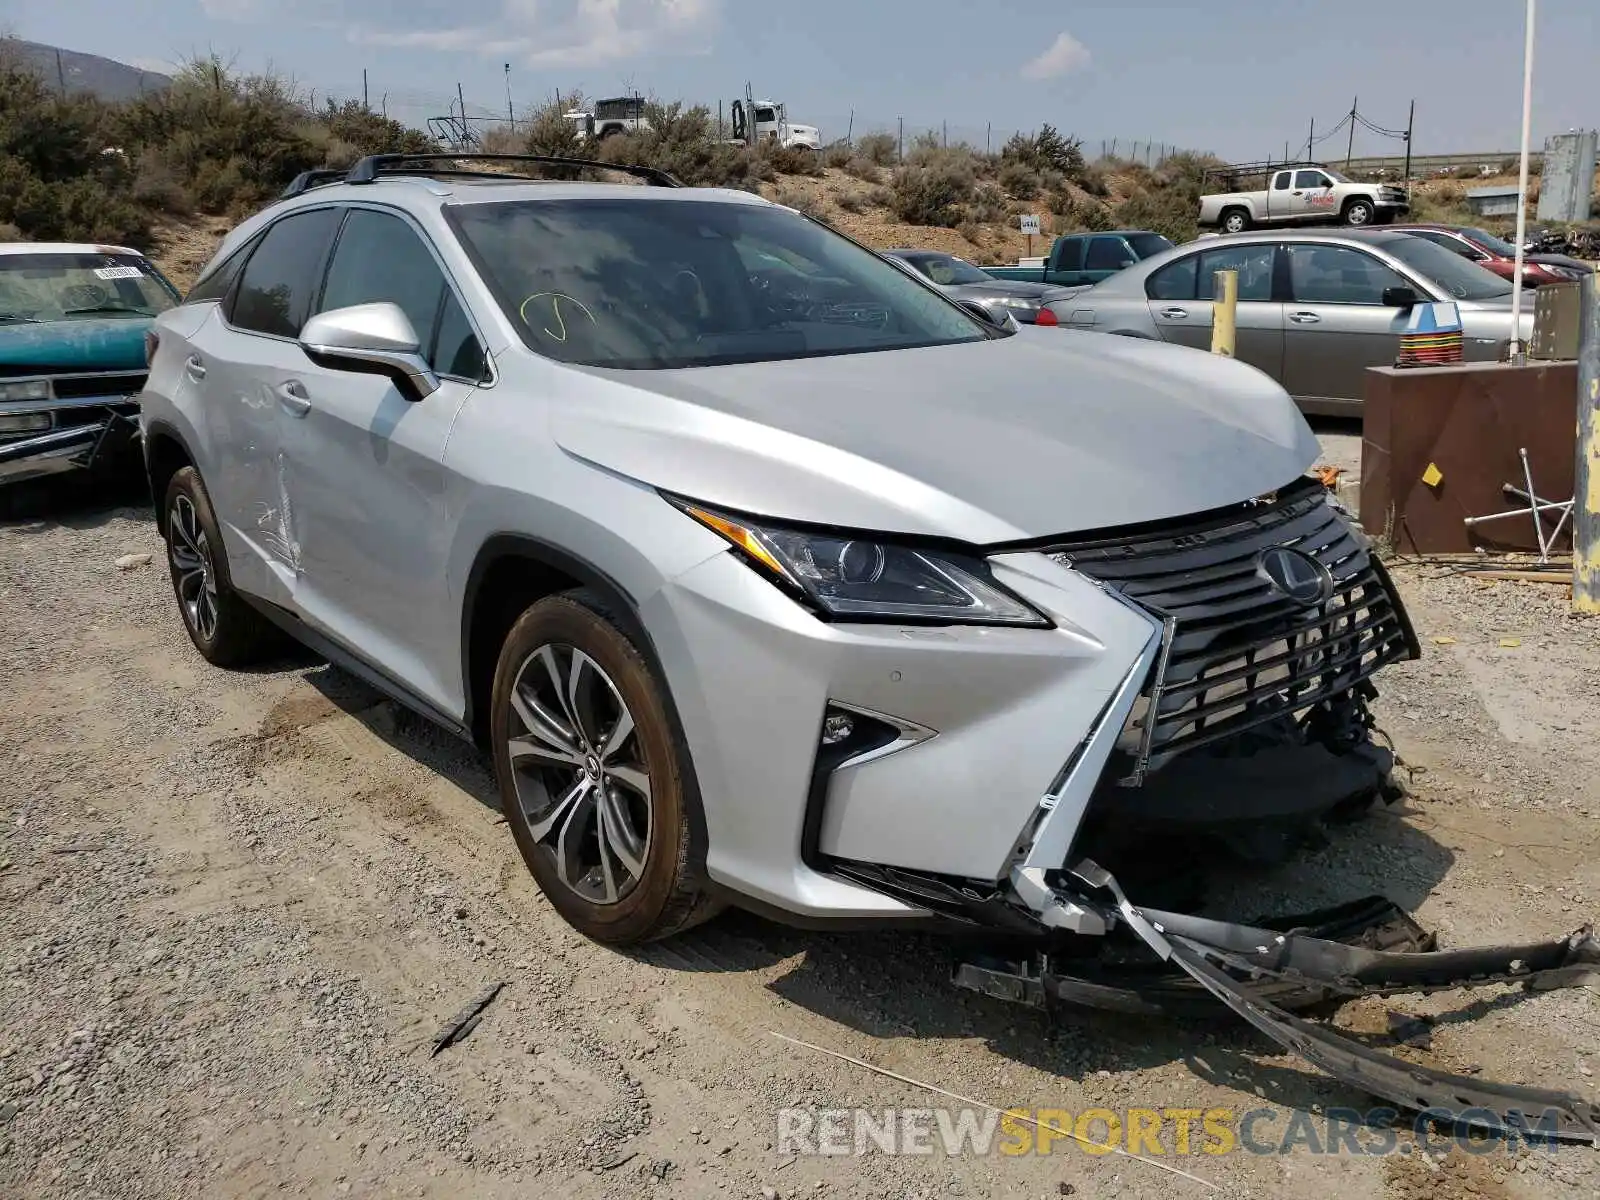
(580,33)
(1064,55)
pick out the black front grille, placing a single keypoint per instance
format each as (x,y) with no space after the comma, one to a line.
(102,383)
(1237,653)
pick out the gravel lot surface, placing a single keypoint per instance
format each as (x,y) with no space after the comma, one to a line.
(235,908)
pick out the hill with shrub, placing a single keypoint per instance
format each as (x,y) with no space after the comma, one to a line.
(170,170)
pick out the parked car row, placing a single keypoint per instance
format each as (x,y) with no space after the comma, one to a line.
(1316,307)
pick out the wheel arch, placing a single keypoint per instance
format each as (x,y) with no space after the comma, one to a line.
(510,572)
(166,452)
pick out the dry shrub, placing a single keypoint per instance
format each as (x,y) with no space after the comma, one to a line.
(864,169)
(879,149)
(1020,179)
(932,193)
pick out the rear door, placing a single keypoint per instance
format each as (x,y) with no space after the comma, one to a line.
(241,359)
(1066,267)
(365,463)
(1279,203)
(1338,325)
(1180,297)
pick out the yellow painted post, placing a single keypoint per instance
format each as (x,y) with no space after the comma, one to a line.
(1224,312)
(1586,476)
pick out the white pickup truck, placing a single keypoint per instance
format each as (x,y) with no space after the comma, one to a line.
(1303,193)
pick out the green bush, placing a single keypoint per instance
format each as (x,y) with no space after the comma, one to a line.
(934,193)
(1020,179)
(1046,150)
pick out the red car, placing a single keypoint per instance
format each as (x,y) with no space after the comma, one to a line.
(1499,256)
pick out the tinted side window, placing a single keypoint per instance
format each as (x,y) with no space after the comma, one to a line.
(1336,275)
(1280,181)
(380,257)
(1106,254)
(1071,258)
(280,280)
(1310,179)
(215,285)
(1254,264)
(1175,281)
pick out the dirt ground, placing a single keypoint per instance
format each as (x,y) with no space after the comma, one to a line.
(235,908)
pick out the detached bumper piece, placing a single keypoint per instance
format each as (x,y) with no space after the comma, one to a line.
(98,445)
(1369,948)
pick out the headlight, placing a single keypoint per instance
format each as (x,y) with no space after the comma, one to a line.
(864,579)
(28,389)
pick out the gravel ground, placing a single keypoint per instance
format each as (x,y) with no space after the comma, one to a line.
(235,907)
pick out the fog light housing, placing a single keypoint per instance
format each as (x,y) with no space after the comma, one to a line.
(24,423)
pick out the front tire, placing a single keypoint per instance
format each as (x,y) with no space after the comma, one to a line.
(1359,213)
(1235,220)
(225,629)
(595,781)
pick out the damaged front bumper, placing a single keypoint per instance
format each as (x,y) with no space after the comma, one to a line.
(1370,948)
(100,440)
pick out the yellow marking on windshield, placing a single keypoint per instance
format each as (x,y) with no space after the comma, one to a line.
(555,309)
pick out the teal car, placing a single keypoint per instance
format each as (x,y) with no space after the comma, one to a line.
(73,320)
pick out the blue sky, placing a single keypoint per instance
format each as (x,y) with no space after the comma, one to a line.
(1238,77)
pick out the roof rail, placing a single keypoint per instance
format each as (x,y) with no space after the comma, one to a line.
(1261,168)
(310,179)
(373,165)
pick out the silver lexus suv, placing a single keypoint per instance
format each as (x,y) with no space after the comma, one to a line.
(766,573)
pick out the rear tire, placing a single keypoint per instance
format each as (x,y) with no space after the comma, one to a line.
(1235,220)
(595,781)
(222,626)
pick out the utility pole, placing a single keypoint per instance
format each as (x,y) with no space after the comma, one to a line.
(61,74)
(511,116)
(1586,477)
(1350,147)
(1519,349)
(364,105)
(900,152)
(465,129)
(1311,141)
(1411,122)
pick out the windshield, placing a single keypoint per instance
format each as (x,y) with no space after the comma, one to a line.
(1488,241)
(661,283)
(1145,245)
(1459,278)
(947,268)
(53,286)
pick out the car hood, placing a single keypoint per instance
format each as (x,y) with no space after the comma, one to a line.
(1029,436)
(77,345)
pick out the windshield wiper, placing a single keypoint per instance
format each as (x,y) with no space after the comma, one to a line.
(107,308)
(19,319)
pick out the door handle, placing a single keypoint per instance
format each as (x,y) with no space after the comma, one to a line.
(292,395)
(194,368)
(1305,318)
(1175,314)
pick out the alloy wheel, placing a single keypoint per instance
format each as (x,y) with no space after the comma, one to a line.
(193,571)
(579,773)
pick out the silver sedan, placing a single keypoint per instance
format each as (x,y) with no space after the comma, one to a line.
(1316,307)
(962,281)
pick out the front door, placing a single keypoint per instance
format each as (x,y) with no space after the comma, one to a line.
(1338,325)
(242,358)
(1312,194)
(1180,297)
(365,462)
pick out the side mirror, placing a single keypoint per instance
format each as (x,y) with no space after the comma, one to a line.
(1401,297)
(374,338)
